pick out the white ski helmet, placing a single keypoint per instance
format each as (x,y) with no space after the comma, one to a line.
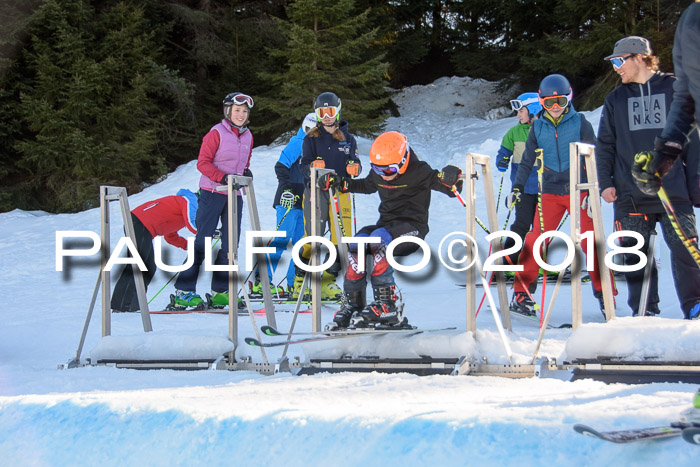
(309,122)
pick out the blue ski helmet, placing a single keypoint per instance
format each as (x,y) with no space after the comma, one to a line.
(555,85)
(530,100)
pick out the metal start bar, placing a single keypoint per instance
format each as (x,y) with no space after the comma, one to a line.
(470,173)
(107,195)
(576,152)
(235,183)
(600,370)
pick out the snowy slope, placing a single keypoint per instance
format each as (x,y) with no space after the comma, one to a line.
(100,415)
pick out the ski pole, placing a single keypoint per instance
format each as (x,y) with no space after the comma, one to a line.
(354,215)
(268,244)
(175,275)
(461,200)
(690,244)
(500,189)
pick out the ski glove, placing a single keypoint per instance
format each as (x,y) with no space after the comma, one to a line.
(665,154)
(247,173)
(648,183)
(352,168)
(318,163)
(449,176)
(503,164)
(513,198)
(288,199)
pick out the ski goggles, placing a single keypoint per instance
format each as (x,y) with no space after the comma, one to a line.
(517,104)
(617,62)
(323,112)
(240,99)
(386,170)
(560,101)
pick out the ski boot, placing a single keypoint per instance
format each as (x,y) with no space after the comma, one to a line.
(329,289)
(219,300)
(257,292)
(185,300)
(298,282)
(522,304)
(694,312)
(652,310)
(353,303)
(385,312)
(599,295)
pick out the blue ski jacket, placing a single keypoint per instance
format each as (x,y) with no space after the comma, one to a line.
(554,139)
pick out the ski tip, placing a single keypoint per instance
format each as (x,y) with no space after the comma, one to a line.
(586,430)
(692,435)
(270,331)
(253,342)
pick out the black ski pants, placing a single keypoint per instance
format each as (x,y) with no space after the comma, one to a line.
(124,296)
(686,274)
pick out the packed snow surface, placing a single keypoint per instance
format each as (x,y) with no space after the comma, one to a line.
(100,415)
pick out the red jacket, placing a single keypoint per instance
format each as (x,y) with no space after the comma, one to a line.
(166,216)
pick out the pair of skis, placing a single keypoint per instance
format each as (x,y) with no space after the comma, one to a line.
(222,311)
(690,433)
(304,337)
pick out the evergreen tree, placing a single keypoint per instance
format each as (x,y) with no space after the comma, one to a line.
(97,106)
(219,47)
(328,48)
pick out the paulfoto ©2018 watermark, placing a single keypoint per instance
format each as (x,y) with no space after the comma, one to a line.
(457,251)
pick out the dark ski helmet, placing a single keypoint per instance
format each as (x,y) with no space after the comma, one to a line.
(555,85)
(555,90)
(327,104)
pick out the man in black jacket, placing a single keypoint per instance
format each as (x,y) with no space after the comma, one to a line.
(404,183)
(633,115)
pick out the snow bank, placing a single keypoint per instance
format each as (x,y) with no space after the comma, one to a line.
(150,346)
(635,339)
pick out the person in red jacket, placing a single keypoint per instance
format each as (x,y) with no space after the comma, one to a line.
(163,216)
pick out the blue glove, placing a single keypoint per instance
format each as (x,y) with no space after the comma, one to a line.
(503,164)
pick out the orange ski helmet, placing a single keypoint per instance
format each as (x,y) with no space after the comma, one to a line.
(389,153)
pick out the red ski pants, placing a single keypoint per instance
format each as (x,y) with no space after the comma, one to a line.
(553,208)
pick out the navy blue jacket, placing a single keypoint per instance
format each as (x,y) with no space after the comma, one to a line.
(288,170)
(334,153)
(686,96)
(633,115)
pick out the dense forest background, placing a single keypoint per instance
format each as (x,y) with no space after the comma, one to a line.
(121,92)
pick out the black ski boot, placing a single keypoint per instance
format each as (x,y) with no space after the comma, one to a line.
(599,295)
(522,304)
(353,302)
(384,311)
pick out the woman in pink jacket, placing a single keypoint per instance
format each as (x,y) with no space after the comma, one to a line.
(225,150)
